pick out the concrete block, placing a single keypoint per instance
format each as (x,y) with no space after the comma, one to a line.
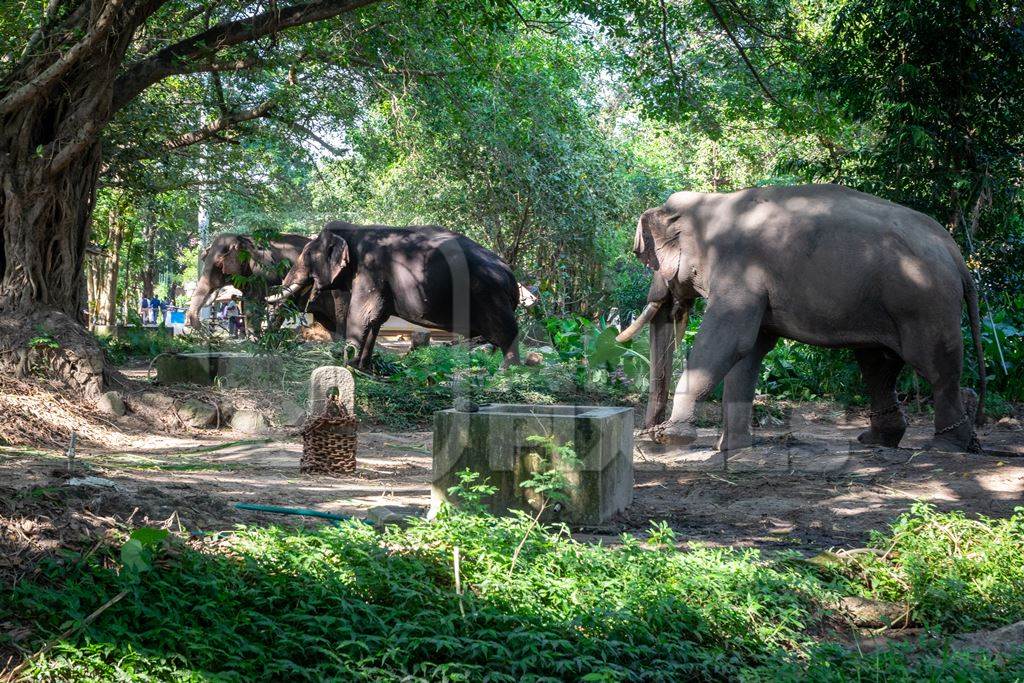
(330,380)
(203,368)
(494,442)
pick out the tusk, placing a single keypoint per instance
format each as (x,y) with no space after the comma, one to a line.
(285,293)
(649,312)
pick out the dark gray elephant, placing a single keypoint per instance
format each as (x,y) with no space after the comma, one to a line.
(231,254)
(424,274)
(820,264)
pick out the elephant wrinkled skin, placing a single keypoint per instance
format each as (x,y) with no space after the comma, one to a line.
(230,254)
(424,274)
(819,264)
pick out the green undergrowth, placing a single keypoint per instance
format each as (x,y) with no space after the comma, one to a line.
(349,603)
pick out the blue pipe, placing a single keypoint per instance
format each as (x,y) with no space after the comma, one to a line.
(298,511)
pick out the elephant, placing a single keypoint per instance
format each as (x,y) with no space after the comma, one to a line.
(224,258)
(819,264)
(425,274)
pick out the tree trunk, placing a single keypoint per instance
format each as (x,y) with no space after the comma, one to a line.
(149,271)
(45,223)
(49,168)
(115,239)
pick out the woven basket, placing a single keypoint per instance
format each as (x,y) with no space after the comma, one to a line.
(329,442)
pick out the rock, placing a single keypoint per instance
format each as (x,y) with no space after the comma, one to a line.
(873,613)
(465,405)
(328,381)
(420,339)
(249,422)
(533,358)
(382,515)
(111,403)
(1008,422)
(98,482)
(198,414)
(290,414)
(155,399)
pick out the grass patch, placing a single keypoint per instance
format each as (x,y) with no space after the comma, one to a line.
(349,603)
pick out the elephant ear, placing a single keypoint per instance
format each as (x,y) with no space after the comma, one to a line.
(659,245)
(331,259)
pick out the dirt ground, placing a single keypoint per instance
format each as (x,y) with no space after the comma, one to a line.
(807,484)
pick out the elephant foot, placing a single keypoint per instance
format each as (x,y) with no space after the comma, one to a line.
(961,440)
(734,442)
(674,433)
(887,438)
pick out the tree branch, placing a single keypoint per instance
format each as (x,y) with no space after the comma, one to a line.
(39,86)
(176,58)
(210,130)
(743,53)
(304,130)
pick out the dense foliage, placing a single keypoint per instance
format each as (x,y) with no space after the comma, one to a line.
(543,134)
(349,602)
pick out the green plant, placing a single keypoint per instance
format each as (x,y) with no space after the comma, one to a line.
(470,492)
(349,603)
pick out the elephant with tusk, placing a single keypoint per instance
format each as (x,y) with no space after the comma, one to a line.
(424,274)
(230,254)
(819,264)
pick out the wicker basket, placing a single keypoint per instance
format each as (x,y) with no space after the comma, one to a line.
(329,442)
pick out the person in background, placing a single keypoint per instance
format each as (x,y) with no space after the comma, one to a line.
(144,310)
(233,315)
(154,310)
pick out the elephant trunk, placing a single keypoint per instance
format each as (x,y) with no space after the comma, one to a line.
(645,317)
(199,298)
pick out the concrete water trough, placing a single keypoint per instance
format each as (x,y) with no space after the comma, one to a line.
(202,368)
(495,442)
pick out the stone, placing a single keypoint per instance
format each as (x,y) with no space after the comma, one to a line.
(420,339)
(495,442)
(249,422)
(290,414)
(328,381)
(156,400)
(533,358)
(111,403)
(98,482)
(465,405)
(197,414)
(1008,422)
(382,515)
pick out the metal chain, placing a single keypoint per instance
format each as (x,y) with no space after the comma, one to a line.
(894,408)
(961,421)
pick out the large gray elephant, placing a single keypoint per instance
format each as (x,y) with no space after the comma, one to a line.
(819,264)
(427,275)
(230,254)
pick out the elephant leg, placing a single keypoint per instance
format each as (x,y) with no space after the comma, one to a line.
(738,395)
(504,334)
(940,362)
(663,349)
(880,369)
(366,314)
(728,333)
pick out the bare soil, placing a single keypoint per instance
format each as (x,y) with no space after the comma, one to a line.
(807,483)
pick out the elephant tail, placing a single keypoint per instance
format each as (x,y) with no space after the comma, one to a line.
(971,298)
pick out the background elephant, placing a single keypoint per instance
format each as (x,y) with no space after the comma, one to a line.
(820,264)
(424,274)
(224,258)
